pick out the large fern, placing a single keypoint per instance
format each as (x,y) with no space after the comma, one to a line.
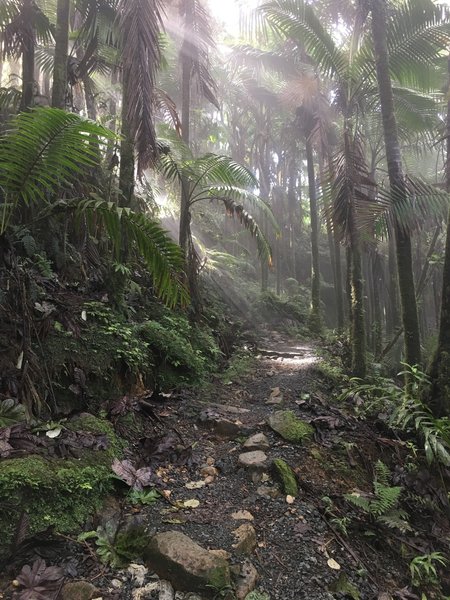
(41,151)
(161,254)
(382,505)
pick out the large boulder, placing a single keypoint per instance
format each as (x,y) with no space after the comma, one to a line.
(188,566)
(290,427)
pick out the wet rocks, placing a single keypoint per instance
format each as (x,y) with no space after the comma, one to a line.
(220,424)
(188,566)
(79,590)
(246,580)
(246,541)
(286,476)
(290,427)
(255,460)
(257,442)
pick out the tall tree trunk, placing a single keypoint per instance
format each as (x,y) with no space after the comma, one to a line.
(315,321)
(397,185)
(28,49)
(185,234)
(127,162)
(1,59)
(61,52)
(440,368)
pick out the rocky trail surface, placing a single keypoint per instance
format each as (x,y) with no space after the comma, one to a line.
(253,475)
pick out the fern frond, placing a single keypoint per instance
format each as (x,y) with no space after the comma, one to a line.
(163,257)
(44,149)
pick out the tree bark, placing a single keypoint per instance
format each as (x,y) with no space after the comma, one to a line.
(61,52)
(440,368)
(397,185)
(28,50)
(315,321)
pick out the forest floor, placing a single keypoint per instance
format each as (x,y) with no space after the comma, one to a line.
(313,546)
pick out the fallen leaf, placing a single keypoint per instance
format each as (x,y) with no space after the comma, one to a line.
(290,499)
(53,433)
(195,485)
(191,503)
(333,564)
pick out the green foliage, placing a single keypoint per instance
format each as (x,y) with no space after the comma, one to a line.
(11,412)
(162,256)
(240,365)
(42,150)
(116,546)
(405,410)
(382,506)
(143,497)
(272,308)
(423,568)
(62,493)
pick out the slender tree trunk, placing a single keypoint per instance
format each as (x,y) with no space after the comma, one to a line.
(28,49)
(1,59)
(61,52)
(393,321)
(397,184)
(440,368)
(127,162)
(315,321)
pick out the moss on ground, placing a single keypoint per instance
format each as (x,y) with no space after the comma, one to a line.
(57,492)
(290,427)
(287,477)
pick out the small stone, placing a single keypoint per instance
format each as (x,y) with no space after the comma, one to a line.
(209,479)
(209,471)
(166,591)
(246,580)
(276,397)
(290,427)
(79,590)
(188,566)
(146,592)
(253,460)
(286,476)
(242,515)
(138,574)
(210,461)
(116,584)
(257,442)
(268,492)
(220,425)
(245,539)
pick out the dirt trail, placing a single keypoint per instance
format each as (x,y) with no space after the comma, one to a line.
(294,542)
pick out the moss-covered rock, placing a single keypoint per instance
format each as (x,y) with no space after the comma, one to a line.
(188,566)
(257,596)
(290,427)
(57,492)
(286,476)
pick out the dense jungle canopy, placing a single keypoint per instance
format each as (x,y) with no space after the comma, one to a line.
(224,299)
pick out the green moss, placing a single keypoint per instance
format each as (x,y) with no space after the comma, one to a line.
(92,424)
(257,596)
(56,492)
(287,477)
(290,427)
(219,577)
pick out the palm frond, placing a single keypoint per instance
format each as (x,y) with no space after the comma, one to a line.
(423,201)
(198,40)
(140,23)
(162,256)
(249,223)
(297,20)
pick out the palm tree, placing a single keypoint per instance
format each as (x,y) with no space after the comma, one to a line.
(352,69)
(61,51)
